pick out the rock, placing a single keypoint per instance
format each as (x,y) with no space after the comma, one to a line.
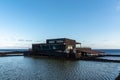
(118,78)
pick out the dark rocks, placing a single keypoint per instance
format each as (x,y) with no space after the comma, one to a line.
(118,78)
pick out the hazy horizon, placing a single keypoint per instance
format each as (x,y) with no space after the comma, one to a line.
(94,23)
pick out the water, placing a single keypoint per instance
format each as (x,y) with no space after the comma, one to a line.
(112,52)
(111,58)
(28,68)
(12,50)
(39,68)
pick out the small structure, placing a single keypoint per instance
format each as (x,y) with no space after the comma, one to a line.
(62,47)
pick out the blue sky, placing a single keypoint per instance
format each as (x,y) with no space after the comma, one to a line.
(94,23)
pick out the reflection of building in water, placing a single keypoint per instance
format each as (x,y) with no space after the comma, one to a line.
(62,47)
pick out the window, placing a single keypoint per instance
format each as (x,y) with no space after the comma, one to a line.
(51,41)
(54,47)
(70,47)
(59,41)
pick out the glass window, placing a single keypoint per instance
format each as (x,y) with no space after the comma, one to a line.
(54,47)
(45,47)
(51,41)
(59,41)
(70,47)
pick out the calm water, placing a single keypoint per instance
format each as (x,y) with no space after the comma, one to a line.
(12,50)
(29,68)
(112,52)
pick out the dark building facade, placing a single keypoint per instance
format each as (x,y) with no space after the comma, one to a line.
(62,47)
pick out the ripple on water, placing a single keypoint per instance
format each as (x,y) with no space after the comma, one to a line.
(26,68)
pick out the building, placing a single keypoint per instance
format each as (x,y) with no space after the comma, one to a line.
(62,47)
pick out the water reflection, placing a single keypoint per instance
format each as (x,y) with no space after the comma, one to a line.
(111,58)
(28,68)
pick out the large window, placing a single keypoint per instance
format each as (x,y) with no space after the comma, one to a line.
(59,41)
(51,41)
(56,47)
(45,47)
(70,47)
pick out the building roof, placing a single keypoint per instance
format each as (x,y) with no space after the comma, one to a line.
(60,39)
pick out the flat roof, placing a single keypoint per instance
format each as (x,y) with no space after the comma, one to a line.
(60,39)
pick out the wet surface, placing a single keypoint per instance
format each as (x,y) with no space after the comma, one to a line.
(28,68)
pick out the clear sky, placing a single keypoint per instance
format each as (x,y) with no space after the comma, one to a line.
(94,23)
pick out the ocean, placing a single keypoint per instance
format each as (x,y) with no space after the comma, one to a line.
(110,51)
(12,50)
(39,68)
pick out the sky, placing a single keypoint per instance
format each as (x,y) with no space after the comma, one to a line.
(94,23)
